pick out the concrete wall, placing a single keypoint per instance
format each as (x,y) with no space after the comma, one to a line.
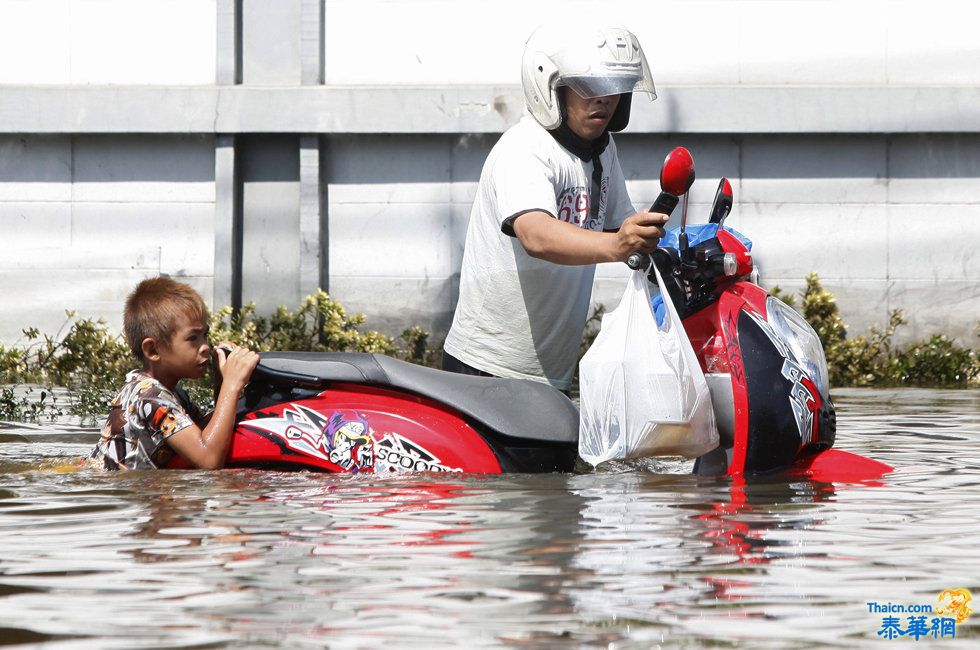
(56,42)
(887,221)
(83,218)
(732,42)
(259,150)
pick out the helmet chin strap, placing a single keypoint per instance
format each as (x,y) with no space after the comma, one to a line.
(584,149)
(587,150)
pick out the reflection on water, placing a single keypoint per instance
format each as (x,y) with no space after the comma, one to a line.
(628,557)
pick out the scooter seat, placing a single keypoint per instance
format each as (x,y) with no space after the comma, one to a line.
(517,408)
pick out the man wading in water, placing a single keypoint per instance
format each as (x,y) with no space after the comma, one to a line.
(551,204)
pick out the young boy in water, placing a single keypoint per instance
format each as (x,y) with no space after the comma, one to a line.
(152,419)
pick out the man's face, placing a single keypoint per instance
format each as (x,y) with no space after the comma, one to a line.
(588,118)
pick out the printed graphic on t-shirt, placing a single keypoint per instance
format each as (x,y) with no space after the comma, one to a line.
(143,415)
(573,207)
(596,222)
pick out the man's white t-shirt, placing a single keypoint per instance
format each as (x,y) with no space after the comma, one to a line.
(519,316)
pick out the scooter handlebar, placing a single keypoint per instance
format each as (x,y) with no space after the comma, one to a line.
(638,261)
(665,203)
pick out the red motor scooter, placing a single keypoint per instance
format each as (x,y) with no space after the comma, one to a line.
(360,412)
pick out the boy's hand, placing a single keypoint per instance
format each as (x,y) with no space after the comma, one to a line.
(208,447)
(641,233)
(236,366)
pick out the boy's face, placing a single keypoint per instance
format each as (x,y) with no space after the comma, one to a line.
(588,118)
(187,354)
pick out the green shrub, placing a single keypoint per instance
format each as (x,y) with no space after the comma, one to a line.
(32,404)
(416,348)
(872,359)
(937,362)
(91,362)
(87,360)
(320,324)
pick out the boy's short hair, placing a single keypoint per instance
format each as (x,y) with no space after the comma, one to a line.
(153,309)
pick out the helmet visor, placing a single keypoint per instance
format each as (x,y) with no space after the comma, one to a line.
(588,87)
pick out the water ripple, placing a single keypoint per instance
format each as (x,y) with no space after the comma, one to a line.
(634,555)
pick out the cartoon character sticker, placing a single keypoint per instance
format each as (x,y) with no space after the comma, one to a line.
(343,439)
(349,442)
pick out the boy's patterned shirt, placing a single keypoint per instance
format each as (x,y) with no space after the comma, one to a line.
(143,416)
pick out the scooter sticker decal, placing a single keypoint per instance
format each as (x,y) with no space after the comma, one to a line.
(802,400)
(734,352)
(350,442)
(803,395)
(398,454)
(347,440)
(344,441)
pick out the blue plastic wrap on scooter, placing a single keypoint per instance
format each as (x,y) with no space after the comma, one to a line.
(699,233)
(695,235)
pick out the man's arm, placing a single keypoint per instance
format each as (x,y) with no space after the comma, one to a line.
(547,238)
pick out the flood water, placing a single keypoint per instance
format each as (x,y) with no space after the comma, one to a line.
(628,557)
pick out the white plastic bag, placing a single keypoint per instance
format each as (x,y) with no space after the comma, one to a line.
(642,390)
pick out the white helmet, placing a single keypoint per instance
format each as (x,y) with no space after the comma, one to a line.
(594,62)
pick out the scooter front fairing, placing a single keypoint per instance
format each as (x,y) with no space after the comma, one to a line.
(769,407)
